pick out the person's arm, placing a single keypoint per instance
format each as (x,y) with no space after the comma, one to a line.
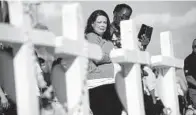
(93,38)
(191,80)
(151,82)
(188,74)
(40,78)
(4,100)
(58,83)
(182,84)
(151,78)
(152,93)
(104,59)
(2,95)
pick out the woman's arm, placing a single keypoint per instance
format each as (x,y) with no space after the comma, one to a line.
(105,59)
(93,38)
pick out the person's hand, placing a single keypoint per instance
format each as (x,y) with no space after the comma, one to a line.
(189,112)
(140,45)
(48,93)
(167,111)
(145,40)
(4,102)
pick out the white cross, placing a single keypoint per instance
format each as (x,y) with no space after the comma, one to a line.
(166,64)
(72,43)
(73,29)
(129,87)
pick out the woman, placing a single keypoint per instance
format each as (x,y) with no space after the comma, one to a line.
(102,93)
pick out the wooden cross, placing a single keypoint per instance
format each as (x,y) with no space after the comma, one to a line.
(75,80)
(71,44)
(129,85)
(166,64)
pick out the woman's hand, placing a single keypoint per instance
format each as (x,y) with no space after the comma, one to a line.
(4,102)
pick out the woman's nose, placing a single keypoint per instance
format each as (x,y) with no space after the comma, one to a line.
(103,25)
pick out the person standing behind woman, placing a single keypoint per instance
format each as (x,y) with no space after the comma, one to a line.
(121,12)
(102,93)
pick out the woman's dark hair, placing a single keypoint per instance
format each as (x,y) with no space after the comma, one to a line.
(92,19)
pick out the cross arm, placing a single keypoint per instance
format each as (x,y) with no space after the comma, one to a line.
(81,47)
(13,34)
(130,56)
(166,61)
(45,38)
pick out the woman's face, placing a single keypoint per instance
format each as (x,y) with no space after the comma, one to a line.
(100,25)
